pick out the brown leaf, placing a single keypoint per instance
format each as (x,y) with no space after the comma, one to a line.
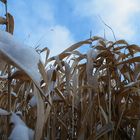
(10,23)
(40,115)
(120,42)
(131,60)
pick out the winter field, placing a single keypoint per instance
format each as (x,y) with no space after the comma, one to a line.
(75,95)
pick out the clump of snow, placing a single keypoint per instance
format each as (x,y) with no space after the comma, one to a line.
(3,112)
(4,77)
(20,130)
(16,120)
(20,55)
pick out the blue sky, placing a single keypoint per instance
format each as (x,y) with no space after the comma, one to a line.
(59,23)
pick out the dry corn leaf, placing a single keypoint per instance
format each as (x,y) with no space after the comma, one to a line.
(40,112)
(121,42)
(131,60)
(10,23)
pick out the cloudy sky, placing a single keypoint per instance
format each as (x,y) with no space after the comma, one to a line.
(59,23)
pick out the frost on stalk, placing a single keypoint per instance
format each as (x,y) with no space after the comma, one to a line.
(20,55)
(20,130)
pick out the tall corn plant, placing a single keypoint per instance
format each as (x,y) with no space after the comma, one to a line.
(93,95)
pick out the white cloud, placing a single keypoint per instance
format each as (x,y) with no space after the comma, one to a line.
(57,38)
(36,25)
(118,14)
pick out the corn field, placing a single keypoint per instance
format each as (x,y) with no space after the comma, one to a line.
(76,95)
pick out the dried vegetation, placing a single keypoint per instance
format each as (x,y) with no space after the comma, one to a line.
(93,95)
(74,95)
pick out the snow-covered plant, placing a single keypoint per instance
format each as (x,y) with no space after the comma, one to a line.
(74,95)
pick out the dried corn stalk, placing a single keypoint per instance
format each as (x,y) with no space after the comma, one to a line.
(74,95)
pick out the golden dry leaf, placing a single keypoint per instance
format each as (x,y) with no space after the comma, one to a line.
(40,115)
(10,23)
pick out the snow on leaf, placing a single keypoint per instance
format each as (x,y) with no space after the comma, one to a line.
(20,132)
(20,55)
(16,120)
(3,112)
(4,77)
